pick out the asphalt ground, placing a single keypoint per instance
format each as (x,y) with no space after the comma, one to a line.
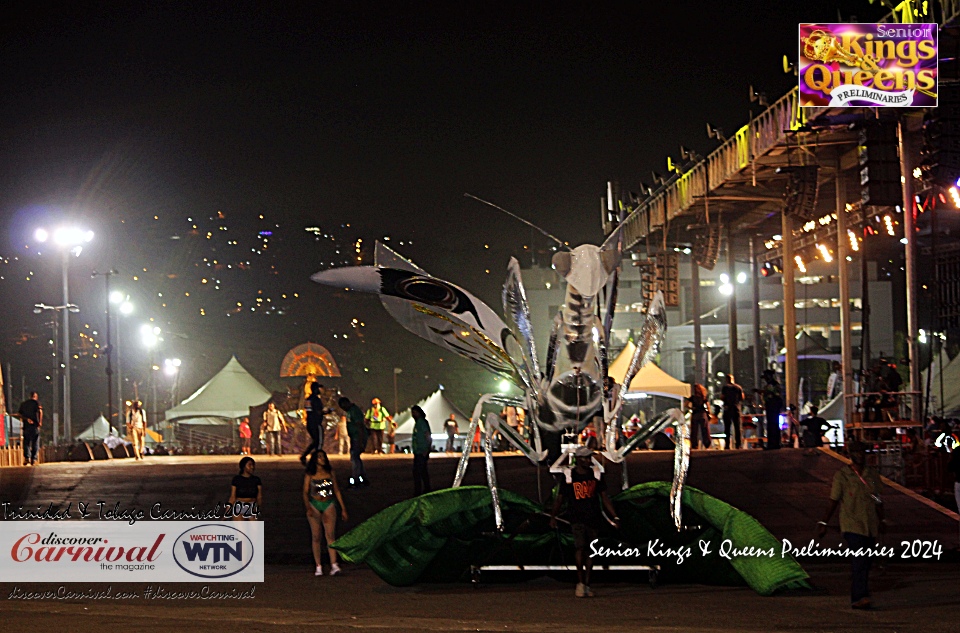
(784,490)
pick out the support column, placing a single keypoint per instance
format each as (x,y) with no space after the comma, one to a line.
(843,249)
(697,338)
(909,230)
(789,311)
(732,309)
(755,282)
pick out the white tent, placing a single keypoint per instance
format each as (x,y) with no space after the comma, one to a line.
(99,430)
(650,379)
(951,377)
(438,410)
(225,397)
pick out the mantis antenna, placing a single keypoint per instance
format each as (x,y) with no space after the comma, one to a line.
(563,246)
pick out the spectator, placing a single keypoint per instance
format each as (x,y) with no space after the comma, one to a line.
(954,466)
(31,419)
(245,435)
(314,409)
(451,427)
(420,445)
(357,431)
(377,418)
(343,438)
(246,488)
(813,429)
(699,417)
(772,405)
(273,423)
(856,490)
(137,427)
(583,494)
(732,396)
(321,495)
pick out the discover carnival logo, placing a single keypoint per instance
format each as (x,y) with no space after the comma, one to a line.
(213,551)
(101,551)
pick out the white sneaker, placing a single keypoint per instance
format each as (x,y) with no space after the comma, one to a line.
(581,590)
(588,591)
(334,569)
(319,571)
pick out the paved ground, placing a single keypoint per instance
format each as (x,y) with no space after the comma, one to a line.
(786,491)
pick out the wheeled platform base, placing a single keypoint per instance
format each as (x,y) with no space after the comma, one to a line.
(652,570)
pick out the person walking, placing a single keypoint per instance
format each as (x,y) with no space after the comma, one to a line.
(357,431)
(699,418)
(321,496)
(246,488)
(313,406)
(31,419)
(451,427)
(273,424)
(732,396)
(245,434)
(856,490)
(584,494)
(377,418)
(137,427)
(772,405)
(420,444)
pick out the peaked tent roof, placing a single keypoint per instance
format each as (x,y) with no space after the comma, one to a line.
(98,430)
(229,394)
(438,410)
(650,379)
(810,348)
(951,377)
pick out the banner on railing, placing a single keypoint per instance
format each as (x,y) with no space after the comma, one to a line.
(876,65)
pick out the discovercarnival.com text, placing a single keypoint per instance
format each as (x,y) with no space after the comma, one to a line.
(150,592)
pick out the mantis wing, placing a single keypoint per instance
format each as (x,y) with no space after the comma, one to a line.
(433,309)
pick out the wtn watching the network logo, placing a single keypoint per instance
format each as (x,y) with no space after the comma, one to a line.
(213,551)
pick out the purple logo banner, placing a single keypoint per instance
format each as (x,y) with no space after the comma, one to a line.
(856,65)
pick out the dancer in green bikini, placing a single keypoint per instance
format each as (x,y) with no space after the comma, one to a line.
(320,491)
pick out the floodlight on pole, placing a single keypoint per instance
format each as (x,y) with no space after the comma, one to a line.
(70,240)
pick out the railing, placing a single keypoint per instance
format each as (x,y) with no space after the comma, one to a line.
(736,153)
(759,136)
(889,409)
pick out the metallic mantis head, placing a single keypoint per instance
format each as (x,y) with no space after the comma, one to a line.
(587,267)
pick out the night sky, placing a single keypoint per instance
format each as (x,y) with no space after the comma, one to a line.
(200,143)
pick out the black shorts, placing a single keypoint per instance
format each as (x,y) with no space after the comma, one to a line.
(583,535)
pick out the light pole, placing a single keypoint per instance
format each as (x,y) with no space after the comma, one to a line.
(125,308)
(106,277)
(70,240)
(396,372)
(171,367)
(38,309)
(150,336)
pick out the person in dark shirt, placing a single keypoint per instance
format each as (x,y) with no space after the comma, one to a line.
(314,409)
(699,425)
(357,431)
(732,396)
(420,445)
(246,488)
(584,494)
(813,429)
(772,405)
(31,419)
